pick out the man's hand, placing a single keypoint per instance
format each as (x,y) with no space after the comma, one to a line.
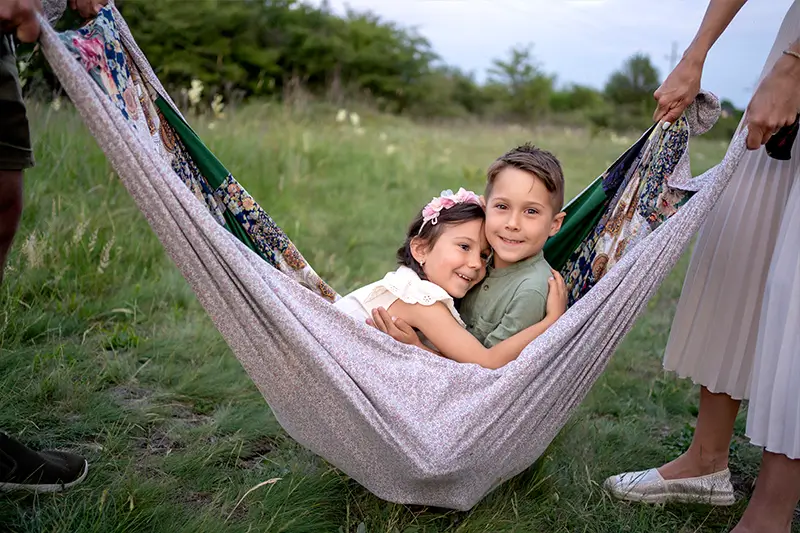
(775,103)
(87,8)
(19,16)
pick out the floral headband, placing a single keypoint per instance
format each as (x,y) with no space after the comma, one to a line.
(430,213)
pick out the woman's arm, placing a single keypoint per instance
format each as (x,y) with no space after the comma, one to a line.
(455,342)
(683,83)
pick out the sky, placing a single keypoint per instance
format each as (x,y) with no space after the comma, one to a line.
(584,41)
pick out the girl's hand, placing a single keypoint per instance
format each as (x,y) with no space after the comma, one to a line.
(678,90)
(396,328)
(556,297)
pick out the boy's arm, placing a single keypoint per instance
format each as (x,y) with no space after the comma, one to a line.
(527,307)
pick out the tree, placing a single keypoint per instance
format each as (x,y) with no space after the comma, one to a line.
(574,98)
(526,86)
(635,83)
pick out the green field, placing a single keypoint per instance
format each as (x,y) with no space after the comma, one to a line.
(105,350)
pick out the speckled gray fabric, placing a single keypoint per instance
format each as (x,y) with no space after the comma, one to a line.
(53,9)
(409,426)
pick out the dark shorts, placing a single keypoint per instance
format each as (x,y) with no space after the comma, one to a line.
(15,137)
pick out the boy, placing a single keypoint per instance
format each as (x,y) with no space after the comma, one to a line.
(524,196)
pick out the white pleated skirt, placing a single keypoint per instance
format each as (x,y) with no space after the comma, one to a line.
(737,325)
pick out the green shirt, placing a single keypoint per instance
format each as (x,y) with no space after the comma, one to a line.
(507,301)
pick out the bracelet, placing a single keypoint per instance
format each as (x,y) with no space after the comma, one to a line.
(792,53)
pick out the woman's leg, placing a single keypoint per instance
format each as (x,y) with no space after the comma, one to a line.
(772,506)
(708,452)
(701,474)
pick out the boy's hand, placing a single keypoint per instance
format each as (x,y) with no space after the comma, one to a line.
(88,8)
(556,297)
(20,16)
(396,328)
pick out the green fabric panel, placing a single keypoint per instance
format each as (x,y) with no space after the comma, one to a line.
(583,214)
(212,169)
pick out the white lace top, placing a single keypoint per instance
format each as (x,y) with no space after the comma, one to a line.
(402,284)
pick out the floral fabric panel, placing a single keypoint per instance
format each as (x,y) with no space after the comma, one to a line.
(98,48)
(642,201)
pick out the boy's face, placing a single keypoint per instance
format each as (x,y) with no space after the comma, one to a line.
(519,217)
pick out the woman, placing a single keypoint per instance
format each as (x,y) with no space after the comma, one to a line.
(737,327)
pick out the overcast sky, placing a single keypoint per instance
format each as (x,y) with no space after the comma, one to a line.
(583,41)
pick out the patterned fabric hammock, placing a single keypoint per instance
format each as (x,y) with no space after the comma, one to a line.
(409,426)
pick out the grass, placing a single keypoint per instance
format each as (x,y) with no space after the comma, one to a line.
(104,349)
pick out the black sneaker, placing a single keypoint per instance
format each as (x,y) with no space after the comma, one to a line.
(47,471)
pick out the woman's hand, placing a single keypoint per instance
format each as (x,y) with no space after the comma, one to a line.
(88,8)
(775,103)
(678,90)
(556,297)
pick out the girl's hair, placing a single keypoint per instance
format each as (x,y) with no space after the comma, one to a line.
(430,233)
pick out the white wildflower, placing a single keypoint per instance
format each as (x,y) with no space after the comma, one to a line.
(93,240)
(212,125)
(341,115)
(390,149)
(105,256)
(80,229)
(32,251)
(217,106)
(55,105)
(360,131)
(355,120)
(22,67)
(382,136)
(195,92)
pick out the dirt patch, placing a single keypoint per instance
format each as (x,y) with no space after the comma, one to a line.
(198,500)
(253,454)
(157,442)
(743,485)
(131,396)
(187,416)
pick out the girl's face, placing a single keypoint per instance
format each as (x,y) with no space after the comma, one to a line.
(457,261)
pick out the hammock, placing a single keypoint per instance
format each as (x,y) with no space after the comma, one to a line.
(411,427)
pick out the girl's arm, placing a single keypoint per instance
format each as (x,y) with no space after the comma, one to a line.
(455,342)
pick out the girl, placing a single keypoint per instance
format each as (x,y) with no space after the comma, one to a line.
(444,256)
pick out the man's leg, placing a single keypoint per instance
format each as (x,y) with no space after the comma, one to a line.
(20,467)
(10,211)
(47,471)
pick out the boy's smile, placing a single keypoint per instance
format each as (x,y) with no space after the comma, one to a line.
(519,217)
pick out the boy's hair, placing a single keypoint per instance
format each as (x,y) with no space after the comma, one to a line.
(430,233)
(541,163)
